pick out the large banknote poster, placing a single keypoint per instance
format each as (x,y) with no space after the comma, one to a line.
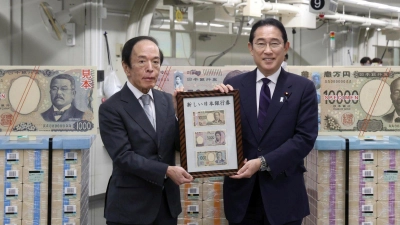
(357,99)
(48,100)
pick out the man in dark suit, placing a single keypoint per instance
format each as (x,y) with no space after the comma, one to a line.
(62,93)
(139,130)
(279,127)
(394,117)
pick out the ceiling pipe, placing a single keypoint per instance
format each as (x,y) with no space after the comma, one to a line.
(359,19)
(279,7)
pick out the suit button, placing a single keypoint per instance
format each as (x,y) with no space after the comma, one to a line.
(259,149)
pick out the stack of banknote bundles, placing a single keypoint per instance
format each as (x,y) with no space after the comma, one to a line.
(35,186)
(11,162)
(388,200)
(70,186)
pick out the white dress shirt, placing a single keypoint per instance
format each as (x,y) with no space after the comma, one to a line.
(273,78)
(138,94)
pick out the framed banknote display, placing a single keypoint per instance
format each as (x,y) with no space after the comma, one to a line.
(210,133)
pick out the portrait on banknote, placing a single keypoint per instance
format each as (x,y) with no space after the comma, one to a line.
(48,100)
(210,132)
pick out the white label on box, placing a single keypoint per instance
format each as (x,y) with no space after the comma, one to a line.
(12,174)
(12,156)
(11,191)
(71,156)
(192,223)
(390,175)
(11,224)
(368,173)
(192,208)
(367,190)
(70,173)
(367,208)
(193,191)
(69,223)
(36,175)
(367,223)
(69,208)
(11,209)
(367,156)
(70,190)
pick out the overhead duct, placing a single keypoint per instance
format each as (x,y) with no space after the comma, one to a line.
(280,8)
(362,20)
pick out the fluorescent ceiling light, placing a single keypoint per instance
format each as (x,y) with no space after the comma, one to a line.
(211,24)
(372,5)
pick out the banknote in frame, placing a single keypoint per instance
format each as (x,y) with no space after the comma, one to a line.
(210,133)
(44,100)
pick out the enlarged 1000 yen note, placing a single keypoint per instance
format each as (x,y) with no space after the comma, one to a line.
(48,100)
(210,138)
(205,118)
(211,158)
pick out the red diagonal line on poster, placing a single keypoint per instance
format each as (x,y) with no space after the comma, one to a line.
(23,98)
(374,102)
(164,77)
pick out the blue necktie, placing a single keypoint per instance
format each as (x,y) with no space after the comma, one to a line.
(265,99)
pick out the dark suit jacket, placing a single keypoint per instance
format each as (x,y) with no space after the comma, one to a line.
(290,131)
(70,113)
(388,117)
(140,157)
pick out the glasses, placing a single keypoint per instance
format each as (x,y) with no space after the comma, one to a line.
(263,45)
(63,89)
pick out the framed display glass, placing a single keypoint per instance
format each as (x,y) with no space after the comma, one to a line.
(210,133)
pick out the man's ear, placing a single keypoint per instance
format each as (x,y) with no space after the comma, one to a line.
(126,69)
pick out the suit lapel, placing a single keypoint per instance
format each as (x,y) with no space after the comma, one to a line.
(161,112)
(249,101)
(136,111)
(282,86)
(67,114)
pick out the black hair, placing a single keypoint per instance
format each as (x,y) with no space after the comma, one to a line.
(66,77)
(127,49)
(286,56)
(218,132)
(376,60)
(365,60)
(268,22)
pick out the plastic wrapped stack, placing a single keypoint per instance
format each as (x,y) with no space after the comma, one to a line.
(24,194)
(373,181)
(202,202)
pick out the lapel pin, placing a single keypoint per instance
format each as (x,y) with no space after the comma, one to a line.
(287,95)
(281,99)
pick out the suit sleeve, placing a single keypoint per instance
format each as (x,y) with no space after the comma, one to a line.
(115,139)
(295,149)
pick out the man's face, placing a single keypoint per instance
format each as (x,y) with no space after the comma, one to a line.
(395,94)
(268,49)
(217,137)
(216,116)
(61,93)
(219,156)
(145,65)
